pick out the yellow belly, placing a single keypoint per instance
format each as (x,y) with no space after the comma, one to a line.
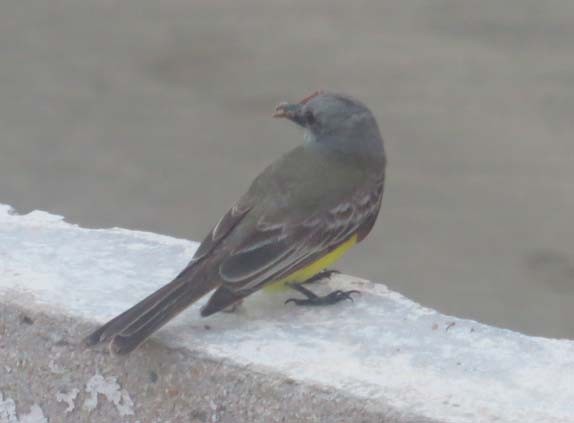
(327,260)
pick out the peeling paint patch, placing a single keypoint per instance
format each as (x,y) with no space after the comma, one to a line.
(8,413)
(110,388)
(34,416)
(55,368)
(68,398)
(7,410)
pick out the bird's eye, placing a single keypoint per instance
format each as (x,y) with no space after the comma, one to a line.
(309,117)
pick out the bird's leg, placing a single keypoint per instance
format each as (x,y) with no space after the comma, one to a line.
(324,274)
(314,299)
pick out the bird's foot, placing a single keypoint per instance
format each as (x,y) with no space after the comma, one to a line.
(325,274)
(316,300)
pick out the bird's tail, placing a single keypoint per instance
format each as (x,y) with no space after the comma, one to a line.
(133,326)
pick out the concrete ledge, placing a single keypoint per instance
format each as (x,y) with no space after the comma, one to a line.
(380,359)
(44,370)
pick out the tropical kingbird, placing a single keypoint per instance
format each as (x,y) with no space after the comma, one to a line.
(301,214)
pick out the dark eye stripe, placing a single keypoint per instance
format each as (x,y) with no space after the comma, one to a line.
(309,117)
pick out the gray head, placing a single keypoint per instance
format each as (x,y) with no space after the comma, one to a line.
(335,121)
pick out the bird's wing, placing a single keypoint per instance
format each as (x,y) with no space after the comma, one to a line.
(222,229)
(275,250)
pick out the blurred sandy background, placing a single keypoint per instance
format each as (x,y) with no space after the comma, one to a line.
(156,115)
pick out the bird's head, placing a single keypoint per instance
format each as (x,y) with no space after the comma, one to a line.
(334,120)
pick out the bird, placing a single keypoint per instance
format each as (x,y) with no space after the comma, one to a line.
(299,216)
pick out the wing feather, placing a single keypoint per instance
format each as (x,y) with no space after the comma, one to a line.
(219,231)
(276,250)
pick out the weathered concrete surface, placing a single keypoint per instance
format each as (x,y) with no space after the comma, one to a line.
(43,366)
(380,359)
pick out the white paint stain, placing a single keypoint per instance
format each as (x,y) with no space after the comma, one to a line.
(55,367)
(68,398)
(34,416)
(8,412)
(111,390)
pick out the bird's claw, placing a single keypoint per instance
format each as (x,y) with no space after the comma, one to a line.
(329,299)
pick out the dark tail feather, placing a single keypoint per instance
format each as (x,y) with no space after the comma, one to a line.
(133,326)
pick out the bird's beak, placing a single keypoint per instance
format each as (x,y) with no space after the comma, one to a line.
(287,110)
(291,111)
